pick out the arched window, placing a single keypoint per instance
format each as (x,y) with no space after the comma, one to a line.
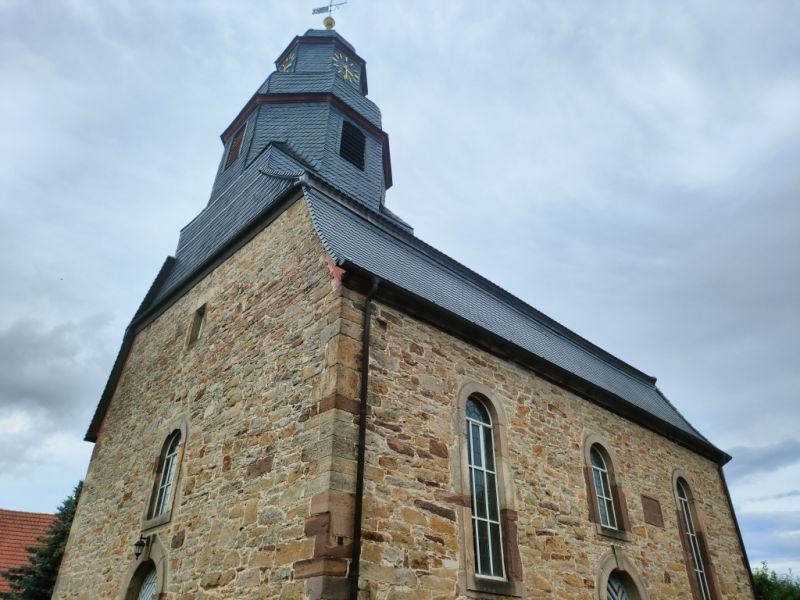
(618,579)
(607,506)
(616,588)
(486,529)
(144,583)
(694,545)
(148,589)
(602,488)
(166,475)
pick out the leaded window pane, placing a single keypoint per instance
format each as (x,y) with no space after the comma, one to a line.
(488,448)
(497,551)
(484,566)
(479,504)
(491,484)
(603,513)
(597,459)
(476,412)
(598,481)
(477,453)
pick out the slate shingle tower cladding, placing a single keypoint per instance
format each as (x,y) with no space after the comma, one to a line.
(301,108)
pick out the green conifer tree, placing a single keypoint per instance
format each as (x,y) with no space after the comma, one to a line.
(36,580)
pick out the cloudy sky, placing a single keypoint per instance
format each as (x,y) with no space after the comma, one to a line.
(630,168)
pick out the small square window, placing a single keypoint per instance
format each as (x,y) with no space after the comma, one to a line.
(235,148)
(197,325)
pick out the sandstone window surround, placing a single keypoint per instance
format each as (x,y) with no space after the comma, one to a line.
(608,508)
(235,147)
(196,328)
(146,576)
(699,568)
(471,580)
(166,470)
(618,578)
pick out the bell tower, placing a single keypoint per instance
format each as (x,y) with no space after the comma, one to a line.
(312,115)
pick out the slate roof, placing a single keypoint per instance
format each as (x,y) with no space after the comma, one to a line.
(18,531)
(405,261)
(236,208)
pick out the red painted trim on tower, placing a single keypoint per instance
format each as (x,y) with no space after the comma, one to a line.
(310,97)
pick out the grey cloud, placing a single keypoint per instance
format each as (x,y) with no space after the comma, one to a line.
(780,496)
(750,460)
(771,536)
(52,370)
(50,381)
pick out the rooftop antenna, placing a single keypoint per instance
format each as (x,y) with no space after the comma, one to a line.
(328,20)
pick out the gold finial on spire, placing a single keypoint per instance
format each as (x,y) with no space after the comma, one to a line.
(328,20)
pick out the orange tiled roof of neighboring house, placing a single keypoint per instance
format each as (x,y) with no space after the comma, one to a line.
(19,530)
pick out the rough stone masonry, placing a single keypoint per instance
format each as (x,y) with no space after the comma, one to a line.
(268,396)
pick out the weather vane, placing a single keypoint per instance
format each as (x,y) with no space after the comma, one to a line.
(332,6)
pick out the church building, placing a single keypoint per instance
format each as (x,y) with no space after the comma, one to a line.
(313,403)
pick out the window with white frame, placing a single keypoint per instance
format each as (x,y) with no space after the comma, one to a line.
(692,540)
(166,478)
(486,529)
(602,488)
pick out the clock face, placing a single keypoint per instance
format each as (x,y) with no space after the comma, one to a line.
(287,63)
(346,68)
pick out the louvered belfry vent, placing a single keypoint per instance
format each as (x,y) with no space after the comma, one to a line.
(351,148)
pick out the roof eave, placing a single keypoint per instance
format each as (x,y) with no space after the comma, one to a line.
(358,278)
(147,312)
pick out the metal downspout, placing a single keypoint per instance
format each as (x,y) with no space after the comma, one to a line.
(362,441)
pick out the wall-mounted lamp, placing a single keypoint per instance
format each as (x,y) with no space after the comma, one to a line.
(139,546)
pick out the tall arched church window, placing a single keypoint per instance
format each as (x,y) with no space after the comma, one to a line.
(693,542)
(486,529)
(602,489)
(607,506)
(166,476)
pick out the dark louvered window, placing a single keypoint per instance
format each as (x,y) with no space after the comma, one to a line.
(352,145)
(236,146)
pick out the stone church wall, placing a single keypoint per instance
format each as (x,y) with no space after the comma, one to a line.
(414,516)
(259,451)
(269,395)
